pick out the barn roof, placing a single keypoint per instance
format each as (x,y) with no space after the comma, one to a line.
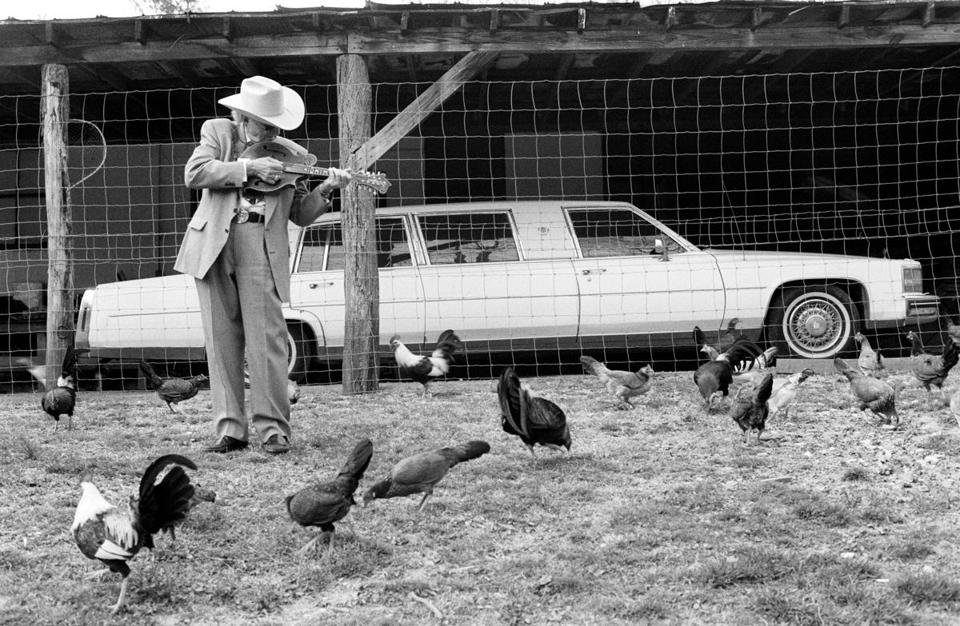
(417,43)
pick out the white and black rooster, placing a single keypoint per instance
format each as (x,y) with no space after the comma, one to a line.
(424,369)
(114,535)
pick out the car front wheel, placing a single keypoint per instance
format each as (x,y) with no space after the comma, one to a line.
(812,322)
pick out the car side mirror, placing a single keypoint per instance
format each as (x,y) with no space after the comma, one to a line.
(659,248)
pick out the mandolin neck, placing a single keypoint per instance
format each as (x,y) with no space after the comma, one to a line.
(297,168)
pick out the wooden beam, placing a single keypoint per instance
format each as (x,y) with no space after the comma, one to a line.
(581,20)
(671,19)
(226,28)
(929,14)
(494,20)
(54,113)
(51,34)
(759,18)
(844,19)
(357,207)
(140,30)
(460,41)
(415,112)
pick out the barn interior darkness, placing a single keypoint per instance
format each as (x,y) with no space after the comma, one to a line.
(794,162)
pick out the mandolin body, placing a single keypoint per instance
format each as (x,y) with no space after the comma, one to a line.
(281,153)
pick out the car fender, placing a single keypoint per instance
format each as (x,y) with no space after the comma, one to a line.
(308,319)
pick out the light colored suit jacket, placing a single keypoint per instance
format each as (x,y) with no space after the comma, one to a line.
(213,168)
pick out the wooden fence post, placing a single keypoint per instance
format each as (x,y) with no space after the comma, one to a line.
(54,115)
(361,278)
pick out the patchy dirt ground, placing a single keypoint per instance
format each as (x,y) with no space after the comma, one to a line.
(657,515)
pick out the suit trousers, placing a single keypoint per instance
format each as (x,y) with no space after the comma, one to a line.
(242,316)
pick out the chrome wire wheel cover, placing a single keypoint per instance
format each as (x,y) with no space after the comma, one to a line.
(816,325)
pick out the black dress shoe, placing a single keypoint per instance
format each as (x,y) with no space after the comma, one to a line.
(226,444)
(276,444)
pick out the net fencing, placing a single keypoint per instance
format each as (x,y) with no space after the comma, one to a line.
(861,164)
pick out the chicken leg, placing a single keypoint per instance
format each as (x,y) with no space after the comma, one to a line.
(423,500)
(312,544)
(122,599)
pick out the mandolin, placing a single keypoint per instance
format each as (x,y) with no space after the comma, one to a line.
(296,166)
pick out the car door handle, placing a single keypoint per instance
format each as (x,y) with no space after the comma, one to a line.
(599,270)
(315,285)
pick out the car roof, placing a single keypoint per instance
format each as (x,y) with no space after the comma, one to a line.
(518,206)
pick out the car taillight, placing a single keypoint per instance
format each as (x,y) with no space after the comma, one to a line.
(83,320)
(912,280)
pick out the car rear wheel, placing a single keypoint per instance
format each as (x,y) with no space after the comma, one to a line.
(812,322)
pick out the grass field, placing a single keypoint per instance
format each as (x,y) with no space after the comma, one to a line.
(658,515)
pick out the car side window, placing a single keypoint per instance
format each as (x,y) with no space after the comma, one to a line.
(314,248)
(393,249)
(617,232)
(323,246)
(469,238)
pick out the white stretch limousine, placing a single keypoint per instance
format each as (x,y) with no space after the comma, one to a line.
(529,275)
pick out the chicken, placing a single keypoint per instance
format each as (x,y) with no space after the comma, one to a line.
(932,369)
(535,420)
(172,390)
(62,399)
(783,396)
(700,341)
(953,331)
(751,370)
(323,503)
(293,388)
(733,333)
(421,472)
(870,361)
(114,535)
(624,385)
(753,360)
(726,339)
(293,391)
(424,369)
(714,377)
(871,393)
(749,407)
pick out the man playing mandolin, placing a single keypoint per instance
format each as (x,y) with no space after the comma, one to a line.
(236,247)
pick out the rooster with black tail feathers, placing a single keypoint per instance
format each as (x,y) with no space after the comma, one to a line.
(424,369)
(114,535)
(714,377)
(535,420)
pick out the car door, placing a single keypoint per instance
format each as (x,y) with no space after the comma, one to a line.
(636,277)
(476,283)
(317,284)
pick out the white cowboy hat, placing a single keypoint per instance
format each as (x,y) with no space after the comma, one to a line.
(267,101)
